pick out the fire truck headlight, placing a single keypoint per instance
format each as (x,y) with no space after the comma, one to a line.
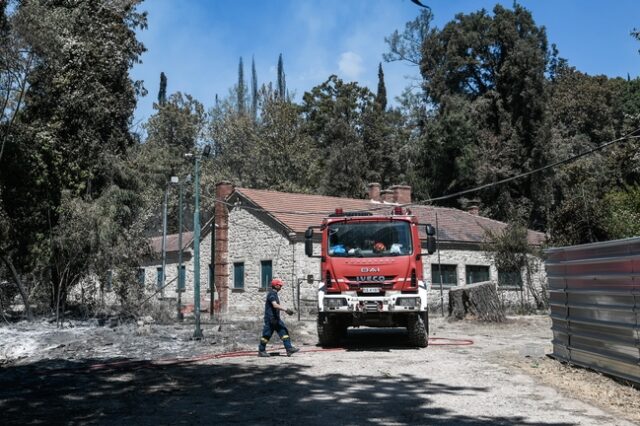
(410,302)
(334,302)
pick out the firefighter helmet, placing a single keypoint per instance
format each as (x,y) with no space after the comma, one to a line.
(379,247)
(277,282)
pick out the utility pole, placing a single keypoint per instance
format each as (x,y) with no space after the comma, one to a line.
(439,265)
(164,241)
(181,274)
(197,334)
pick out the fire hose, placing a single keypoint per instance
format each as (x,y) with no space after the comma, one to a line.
(133,364)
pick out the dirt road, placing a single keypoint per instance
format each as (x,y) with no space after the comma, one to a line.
(376,379)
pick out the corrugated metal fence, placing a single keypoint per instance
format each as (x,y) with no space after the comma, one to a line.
(595,306)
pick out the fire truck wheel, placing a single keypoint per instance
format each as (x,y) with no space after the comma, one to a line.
(328,332)
(417,331)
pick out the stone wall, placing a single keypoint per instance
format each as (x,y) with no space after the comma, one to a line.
(251,241)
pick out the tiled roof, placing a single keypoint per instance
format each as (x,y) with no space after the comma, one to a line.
(297,212)
(172,242)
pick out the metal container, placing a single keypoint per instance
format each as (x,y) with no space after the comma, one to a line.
(594,294)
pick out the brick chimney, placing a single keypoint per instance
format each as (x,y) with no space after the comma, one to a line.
(473,207)
(401,194)
(220,247)
(373,191)
(386,196)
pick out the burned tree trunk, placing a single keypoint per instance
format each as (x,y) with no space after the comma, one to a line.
(479,300)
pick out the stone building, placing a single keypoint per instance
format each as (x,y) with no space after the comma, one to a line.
(259,234)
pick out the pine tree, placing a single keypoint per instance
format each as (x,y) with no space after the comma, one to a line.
(381,96)
(241,90)
(162,93)
(254,90)
(282,85)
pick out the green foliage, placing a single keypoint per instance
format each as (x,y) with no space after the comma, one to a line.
(623,211)
(241,89)
(285,152)
(282,84)
(511,252)
(335,114)
(485,77)
(407,46)
(234,137)
(162,92)
(254,90)
(66,140)
(381,95)
(180,122)
(579,219)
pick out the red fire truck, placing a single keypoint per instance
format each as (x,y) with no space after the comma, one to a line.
(371,273)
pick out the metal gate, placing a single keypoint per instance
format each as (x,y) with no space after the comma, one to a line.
(595,306)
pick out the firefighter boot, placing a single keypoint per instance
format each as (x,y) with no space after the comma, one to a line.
(292,350)
(263,354)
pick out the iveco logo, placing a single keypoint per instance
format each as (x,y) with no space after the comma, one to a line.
(369,269)
(370,278)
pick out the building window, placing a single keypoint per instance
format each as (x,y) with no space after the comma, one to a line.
(238,275)
(140,275)
(266,274)
(108,284)
(477,274)
(159,275)
(449,275)
(509,278)
(182,275)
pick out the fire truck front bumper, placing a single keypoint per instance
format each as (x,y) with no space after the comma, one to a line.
(396,302)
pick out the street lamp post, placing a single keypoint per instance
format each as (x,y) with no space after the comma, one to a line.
(163,280)
(197,334)
(164,241)
(181,274)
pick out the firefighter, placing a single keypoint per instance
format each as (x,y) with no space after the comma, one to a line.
(273,322)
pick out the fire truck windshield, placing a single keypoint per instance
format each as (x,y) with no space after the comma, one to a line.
(369,239)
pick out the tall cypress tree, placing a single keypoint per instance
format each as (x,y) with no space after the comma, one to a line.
(381,96)
(282,85)
(241,90)
(162,93)
(254,90)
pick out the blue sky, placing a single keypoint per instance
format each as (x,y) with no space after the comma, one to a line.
(198,43)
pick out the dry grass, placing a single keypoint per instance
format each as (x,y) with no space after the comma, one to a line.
(586,385)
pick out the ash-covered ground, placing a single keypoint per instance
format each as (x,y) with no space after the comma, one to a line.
(26,342)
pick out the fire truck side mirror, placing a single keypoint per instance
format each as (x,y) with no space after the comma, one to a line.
(308,243)
(431,244)
(431,240)
(430,230)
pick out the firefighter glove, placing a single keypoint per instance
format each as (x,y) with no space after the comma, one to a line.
(289,311)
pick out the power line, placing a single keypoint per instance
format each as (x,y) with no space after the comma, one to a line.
(628,136)
(635,134)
